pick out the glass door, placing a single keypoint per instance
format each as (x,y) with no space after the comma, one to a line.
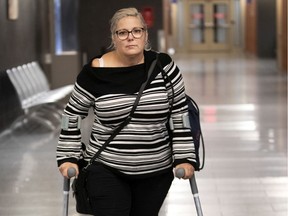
(221,24)
(209,25)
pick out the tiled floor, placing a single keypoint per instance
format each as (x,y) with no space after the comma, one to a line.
(243,104)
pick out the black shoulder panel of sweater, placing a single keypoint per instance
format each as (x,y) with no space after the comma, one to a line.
(101,81)
(151,55)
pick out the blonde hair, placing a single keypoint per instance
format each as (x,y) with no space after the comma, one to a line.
(125,12)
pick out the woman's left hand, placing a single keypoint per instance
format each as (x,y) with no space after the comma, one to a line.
(189,170)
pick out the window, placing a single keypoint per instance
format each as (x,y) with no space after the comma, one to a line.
(65,26)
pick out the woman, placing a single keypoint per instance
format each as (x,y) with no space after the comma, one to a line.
(133,174)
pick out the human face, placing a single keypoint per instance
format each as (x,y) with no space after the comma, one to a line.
(131,45)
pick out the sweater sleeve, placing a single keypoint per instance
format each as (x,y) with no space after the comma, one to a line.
(69,144)
(182,142)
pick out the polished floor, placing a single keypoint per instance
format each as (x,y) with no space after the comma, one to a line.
(243,104)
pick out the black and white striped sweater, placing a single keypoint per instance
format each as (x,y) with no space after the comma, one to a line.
(143,147)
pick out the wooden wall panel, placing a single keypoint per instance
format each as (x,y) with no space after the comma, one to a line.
(251,27)
(284,38)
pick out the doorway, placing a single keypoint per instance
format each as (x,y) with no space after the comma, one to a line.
(208,25)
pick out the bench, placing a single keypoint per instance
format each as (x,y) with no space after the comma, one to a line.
(32,86)
(34,93)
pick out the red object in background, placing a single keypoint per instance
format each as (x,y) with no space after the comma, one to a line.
(198,16)
(148,16)
(219,15)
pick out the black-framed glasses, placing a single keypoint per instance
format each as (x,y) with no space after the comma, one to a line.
(123,34)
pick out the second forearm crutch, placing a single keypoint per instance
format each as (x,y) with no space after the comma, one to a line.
(66,189)
(179,174)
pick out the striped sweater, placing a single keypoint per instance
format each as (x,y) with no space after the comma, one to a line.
(143,146)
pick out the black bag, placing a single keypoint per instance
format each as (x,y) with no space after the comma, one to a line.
(83,205)
(80,192)
(194,119)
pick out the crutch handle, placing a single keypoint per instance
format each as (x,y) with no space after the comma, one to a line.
(71,173)
(180,173)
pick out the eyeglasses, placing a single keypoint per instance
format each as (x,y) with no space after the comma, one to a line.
(124,33)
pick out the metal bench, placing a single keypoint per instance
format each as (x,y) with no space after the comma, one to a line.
(34,93)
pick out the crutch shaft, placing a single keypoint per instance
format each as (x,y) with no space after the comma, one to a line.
(194,190)
(66,188)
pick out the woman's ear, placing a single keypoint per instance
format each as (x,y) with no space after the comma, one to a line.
(113,42)
(146,39)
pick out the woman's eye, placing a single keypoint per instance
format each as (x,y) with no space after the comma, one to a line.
(122,32)
(137,31)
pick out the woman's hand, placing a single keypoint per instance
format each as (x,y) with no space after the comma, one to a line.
(65,166)
(188,168)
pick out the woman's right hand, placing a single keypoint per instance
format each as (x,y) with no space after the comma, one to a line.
(63,168)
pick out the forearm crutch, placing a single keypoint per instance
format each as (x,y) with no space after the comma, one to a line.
(66,189)
(179,174)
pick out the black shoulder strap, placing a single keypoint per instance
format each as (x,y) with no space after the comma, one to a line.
(167,78)
(126,121)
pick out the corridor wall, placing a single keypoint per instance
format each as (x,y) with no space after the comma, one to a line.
(260,38)
(24,39)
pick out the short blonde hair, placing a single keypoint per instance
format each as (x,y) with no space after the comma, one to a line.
(125,12)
